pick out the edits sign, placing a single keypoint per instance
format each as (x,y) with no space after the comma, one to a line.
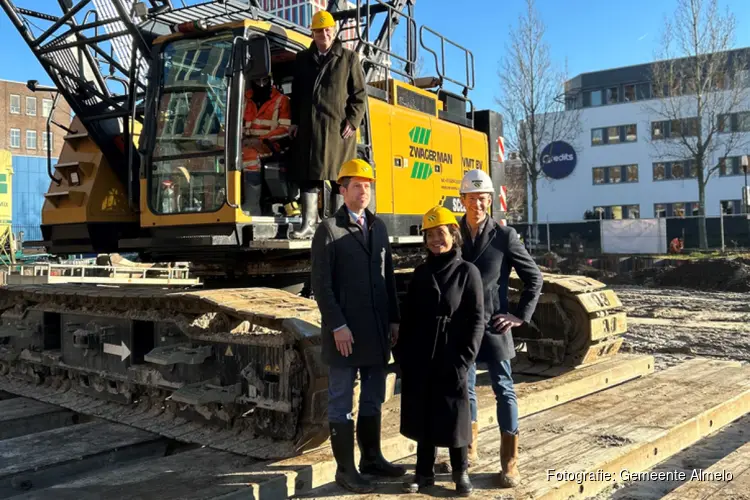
(558,160)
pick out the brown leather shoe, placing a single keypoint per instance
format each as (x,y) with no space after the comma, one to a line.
(474,446)
(509,477)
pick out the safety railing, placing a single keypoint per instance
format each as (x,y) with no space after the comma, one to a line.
(440,61)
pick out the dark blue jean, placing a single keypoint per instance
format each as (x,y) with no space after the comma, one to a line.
(341,390)
(502,385)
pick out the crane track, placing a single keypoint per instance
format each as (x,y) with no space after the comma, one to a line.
(274,341)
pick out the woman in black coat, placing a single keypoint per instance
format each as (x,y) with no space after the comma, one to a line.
(441,329)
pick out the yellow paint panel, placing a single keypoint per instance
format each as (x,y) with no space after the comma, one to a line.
(381,114)
(260,26)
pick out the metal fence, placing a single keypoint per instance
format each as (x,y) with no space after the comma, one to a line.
(731,232)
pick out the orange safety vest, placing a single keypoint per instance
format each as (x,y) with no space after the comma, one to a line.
(271,121)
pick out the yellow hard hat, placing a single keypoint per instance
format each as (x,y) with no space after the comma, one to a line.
(438,216)
(356,168)
(322,19)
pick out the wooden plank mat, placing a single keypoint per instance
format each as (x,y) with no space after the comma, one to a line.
(630,427)
(21,416)
(729,478)
(191,475)
(46,458)
(318,467)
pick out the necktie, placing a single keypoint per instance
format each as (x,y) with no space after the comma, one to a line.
(361,222)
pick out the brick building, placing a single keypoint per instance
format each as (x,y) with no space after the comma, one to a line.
(23,126)
(23,120)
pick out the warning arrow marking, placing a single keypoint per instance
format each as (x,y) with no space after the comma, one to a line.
(118,350)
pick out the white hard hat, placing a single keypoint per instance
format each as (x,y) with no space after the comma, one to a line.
(476,181)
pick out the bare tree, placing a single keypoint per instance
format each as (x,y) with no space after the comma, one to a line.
(516,183)
(698,82)
(532,100)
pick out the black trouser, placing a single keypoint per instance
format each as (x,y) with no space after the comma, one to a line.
(426,454)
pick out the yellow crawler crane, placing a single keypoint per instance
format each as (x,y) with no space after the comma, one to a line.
(152,165)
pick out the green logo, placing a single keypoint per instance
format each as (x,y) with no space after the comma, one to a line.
(3,184)
(421,170)
(420,135)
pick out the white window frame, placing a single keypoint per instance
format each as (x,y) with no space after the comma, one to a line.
(17,108)
(30,134)
(28,100)
(46,107)
(45,138)
(18,143)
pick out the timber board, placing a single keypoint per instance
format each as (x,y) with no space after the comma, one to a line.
(630,427)
(38,460)
(191,475)
(318,467)
(21,416)
(713,483)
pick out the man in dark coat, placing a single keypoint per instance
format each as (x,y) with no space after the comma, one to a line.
(495,249)
(355,288)
(328,106)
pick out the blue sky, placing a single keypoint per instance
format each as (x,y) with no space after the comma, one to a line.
(591,35)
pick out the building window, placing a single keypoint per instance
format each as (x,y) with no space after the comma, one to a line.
(15,137)
(660,171)
(685,127)
(31,139)
(657,130)
(47,137)
(614,134)
(632,173)
(46,107)
(660,210)
(599,175)
(731,207)
(612,95)
(675,170)
(31,106)
(15,104)
(631,133)
(596,98)
(615,174)
(643,91)
(678,209)
(731,165)
(619,211)
(597,136)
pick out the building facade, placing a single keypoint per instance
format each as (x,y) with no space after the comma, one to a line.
(615,162)
(23,133)
(24,123)
(301,12)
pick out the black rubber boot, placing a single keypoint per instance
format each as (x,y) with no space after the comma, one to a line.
(342,444)
(371,459)
(309,217)
(418,483)
(463,484)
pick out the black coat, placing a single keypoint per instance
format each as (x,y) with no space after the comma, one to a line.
(497,250)
(324,96)
(353,284)
(441,330)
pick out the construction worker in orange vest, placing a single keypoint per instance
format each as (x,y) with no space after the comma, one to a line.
(266,121)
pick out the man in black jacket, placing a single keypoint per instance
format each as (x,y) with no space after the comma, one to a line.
(354,286)
(495,249)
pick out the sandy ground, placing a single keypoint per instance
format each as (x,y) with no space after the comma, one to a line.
(675,325)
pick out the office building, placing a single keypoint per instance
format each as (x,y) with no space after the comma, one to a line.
(23,132)
(616,162)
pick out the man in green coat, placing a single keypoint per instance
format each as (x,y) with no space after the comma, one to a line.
(328,106)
